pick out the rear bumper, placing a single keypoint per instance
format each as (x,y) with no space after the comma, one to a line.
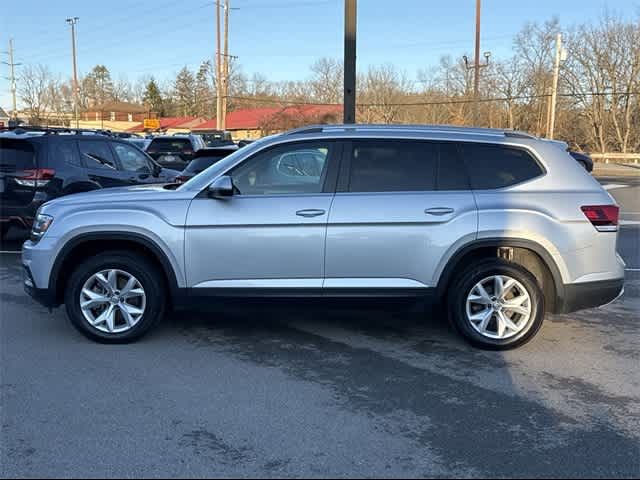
(581,296)
(22,215)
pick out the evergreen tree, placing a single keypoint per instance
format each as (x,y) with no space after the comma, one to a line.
(184,93)
(153,98)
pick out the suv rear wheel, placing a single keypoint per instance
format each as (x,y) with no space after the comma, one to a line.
(496,305)
(115,297)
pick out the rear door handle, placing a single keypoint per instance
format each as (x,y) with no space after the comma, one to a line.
(439,211)
(311,212)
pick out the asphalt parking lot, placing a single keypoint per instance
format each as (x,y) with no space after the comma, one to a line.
(322,391)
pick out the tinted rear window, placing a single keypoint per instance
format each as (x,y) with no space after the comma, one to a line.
(170,144)
(16,155)
(201,163)
(393,166)
(493,166)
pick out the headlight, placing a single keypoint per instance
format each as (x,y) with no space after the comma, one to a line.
(40,226)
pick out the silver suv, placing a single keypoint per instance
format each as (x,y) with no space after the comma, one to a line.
(499,226)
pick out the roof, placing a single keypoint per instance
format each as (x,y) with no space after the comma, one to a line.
(3,114)
(254,118)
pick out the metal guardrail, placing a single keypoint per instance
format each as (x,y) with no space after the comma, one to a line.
(616,157)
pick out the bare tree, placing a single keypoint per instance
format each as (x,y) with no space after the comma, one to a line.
(35,91)
(382,91)
(326,81)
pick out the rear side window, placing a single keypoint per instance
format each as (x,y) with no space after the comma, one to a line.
(170,145)
(16,155)
(66,152)
(393,166)
(97,154)
(494,166)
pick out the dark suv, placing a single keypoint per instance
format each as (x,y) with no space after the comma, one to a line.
(36,166)
(175,151)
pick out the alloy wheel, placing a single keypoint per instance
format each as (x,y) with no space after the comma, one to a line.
(499,307)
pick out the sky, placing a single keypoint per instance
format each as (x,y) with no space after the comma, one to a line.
(278,38)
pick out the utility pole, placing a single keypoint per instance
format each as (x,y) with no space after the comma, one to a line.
(73,21)
(554,89)
(12,78)
(350,31)
(225,73)
(218,71)
(477,67)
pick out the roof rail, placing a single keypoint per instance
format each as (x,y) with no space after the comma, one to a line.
(55,130)
(310,129)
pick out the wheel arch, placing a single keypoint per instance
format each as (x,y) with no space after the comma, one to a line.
(527,253)
(89,243)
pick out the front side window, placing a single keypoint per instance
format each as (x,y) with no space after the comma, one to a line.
(393,166)
(287,169)
(97,154)
(495,166)
(131,159)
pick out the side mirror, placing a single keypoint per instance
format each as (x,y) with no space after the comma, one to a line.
(222,187)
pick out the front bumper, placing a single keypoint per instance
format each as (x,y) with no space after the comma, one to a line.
(43,296)
(581,296)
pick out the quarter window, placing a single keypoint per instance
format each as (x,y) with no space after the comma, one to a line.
(287,169)
(493,166)
(393,166)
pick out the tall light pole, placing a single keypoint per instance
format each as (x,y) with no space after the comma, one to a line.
(73,21)
(560,55)
(477,67)
(225,73)
(350,30)
(218,71)
(12,78)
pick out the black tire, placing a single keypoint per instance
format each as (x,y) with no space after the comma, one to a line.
(462,286)
(4,229)
(147,273)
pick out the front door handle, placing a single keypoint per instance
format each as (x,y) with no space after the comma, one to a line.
(311,212)
(439,211)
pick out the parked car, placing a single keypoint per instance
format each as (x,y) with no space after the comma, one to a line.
(203,159)
(583,159)
(483,221)
(217,138)
(39,165)
(174,151)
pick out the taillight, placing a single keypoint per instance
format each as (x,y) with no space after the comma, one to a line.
(603,217)
(35,177)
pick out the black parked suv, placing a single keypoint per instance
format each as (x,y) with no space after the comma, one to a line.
(203,159)
(38,165)
(175,151)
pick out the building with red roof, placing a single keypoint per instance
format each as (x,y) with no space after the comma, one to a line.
(257,122)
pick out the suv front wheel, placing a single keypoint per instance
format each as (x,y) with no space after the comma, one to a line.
(115,297)
(496,305)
